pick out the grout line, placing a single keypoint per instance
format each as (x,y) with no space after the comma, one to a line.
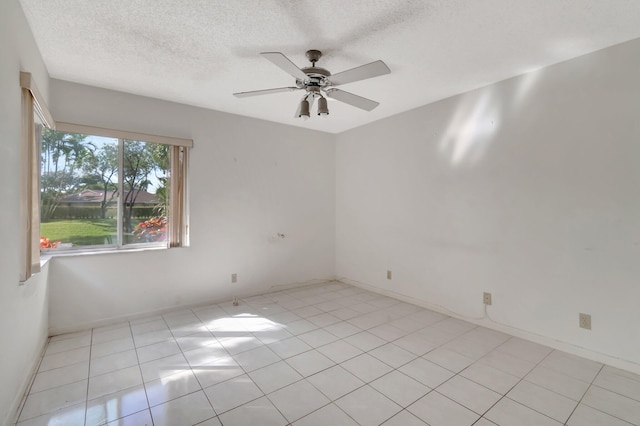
(86,398)
(144,385)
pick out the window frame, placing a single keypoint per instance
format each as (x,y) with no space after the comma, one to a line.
(176,145)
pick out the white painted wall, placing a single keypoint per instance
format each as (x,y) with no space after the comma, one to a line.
(529,189)
(23,308)
(249,180)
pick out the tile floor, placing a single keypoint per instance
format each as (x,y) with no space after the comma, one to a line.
(329,354)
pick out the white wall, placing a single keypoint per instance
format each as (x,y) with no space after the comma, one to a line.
(529,189)
(23,308)
(249,180)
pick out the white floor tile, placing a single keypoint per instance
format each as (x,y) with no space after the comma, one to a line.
(619,384)
(490,377)
(60,376)
(335,382)
(468,348)
(205,355)
(387,332)
(217,371)
(544,401)
(152,337)
(507,363)
(392,355)
(239,342)
(289,347)
(339,351)
(400,388)
(73,415)
(107,348)
(256,358)
(415,343)
(508,412)
(524,349)
(257,412)
(404,418)
(557,382)
(587,416)
(469,394)
(317,338)
(323,320)
(171,387)
(365,341)
(82,333)
(426,372)
(141,418)
(368,406)
(327,415)
(163,367)
(300,327)
(298,400)
(343,329)
(274,376)
(107,334)
(62,359)
(116,405)
(310,362)
(366,368)
(571,365)
(157,350)
(51,400)
(113,362)
(186,410)
(114,382)
(613,404)
(68,344)
(438,410)
(138,328)
(232,393)
(449,359)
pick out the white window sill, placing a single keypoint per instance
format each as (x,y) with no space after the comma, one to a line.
(48,255)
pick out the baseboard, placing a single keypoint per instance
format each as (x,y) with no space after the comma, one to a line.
(54,331)
(488,323)
(21,395)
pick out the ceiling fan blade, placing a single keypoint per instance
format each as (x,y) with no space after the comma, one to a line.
(285,64)
(264,92)
(351,99)
(374,69)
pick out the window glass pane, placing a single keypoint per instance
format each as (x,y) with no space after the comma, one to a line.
(145,188)
(79,190)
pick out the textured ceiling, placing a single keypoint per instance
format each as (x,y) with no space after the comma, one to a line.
(199,52)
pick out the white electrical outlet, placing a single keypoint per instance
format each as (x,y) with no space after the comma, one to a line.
(486,298)
(584,321)
(388,275)
(234,278)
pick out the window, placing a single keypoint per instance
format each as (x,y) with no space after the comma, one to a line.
(106,189)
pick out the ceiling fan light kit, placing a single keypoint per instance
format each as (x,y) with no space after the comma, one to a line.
(319,83)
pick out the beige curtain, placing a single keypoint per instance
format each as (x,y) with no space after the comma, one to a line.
(30,190)
(178,217)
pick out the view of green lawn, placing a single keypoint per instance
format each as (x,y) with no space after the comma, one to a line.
(81,231)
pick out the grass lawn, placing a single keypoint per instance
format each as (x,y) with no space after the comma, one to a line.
(81,232)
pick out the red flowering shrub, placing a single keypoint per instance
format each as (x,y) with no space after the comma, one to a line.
(46,243)
(151,230)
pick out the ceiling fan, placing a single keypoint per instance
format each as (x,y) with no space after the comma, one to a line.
(318,82)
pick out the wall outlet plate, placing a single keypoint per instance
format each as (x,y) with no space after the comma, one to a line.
(388,275)
(584,321)
(234,278)
(486,298)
